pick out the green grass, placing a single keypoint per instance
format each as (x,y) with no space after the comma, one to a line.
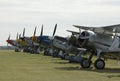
(36,67)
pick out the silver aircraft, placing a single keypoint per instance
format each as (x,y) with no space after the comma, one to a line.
(101,41)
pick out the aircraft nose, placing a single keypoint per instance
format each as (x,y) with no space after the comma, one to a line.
(9,41)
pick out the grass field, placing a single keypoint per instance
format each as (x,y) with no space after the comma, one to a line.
(36,67)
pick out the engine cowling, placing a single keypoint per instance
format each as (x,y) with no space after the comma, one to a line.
(87,34)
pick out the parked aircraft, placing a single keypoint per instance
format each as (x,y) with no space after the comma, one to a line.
(21,43)
(44,41)
(14,43)
(68,45)
(102,41)
(47,42)
(35,43)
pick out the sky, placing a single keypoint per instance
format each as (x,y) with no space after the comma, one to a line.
(15,15)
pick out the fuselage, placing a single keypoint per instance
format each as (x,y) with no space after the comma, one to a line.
(14,43)
(100,41)
(104,43)
(44,40)
(11,42)
(21,42)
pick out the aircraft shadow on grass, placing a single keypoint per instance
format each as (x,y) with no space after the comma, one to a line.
(111,76)
(61,62)
(67,68)
(106,70)
(110,71)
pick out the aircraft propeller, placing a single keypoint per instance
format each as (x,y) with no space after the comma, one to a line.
(54,30)
(17,36)
(34,32)
(52,37)
(41,34)
(24,32)
(8,39)
(41,31)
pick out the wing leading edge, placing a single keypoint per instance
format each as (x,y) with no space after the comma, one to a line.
(104,29)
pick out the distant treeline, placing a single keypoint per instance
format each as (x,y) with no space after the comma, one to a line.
(7,48)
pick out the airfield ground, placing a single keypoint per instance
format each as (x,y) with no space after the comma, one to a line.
(36,67)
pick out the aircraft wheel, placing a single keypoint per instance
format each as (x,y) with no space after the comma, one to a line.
(85,63)
(32,51)
(24,50)
(99,64)
(17,50)
(45,52)
(62,57)
(54,55)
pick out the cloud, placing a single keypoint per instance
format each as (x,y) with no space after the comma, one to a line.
(110,2)
(17,14)
(73,6)
(35,10)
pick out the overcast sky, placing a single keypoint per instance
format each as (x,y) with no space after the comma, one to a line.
(18,14)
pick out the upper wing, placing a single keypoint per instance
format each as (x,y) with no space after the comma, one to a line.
(84,27)
(112,28)
(105,29)
(73,32)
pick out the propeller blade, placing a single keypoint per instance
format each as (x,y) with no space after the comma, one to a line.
(7,44)
(41,31)
(9,37)
(17,36)
(55,30)
(34,32)
(79,31)
(23,32)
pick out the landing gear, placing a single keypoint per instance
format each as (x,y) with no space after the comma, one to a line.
(46,52)
(85,63)
(99,64)
(32,51)
(55,54)
(17,50)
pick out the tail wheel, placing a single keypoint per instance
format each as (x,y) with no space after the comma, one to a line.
(99,64)
(85,63)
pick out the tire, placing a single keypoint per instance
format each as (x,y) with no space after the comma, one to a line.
(32,51)
(54,55)
(85,63)
(45,52)
(17,50)
(62,57)
(99,64)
